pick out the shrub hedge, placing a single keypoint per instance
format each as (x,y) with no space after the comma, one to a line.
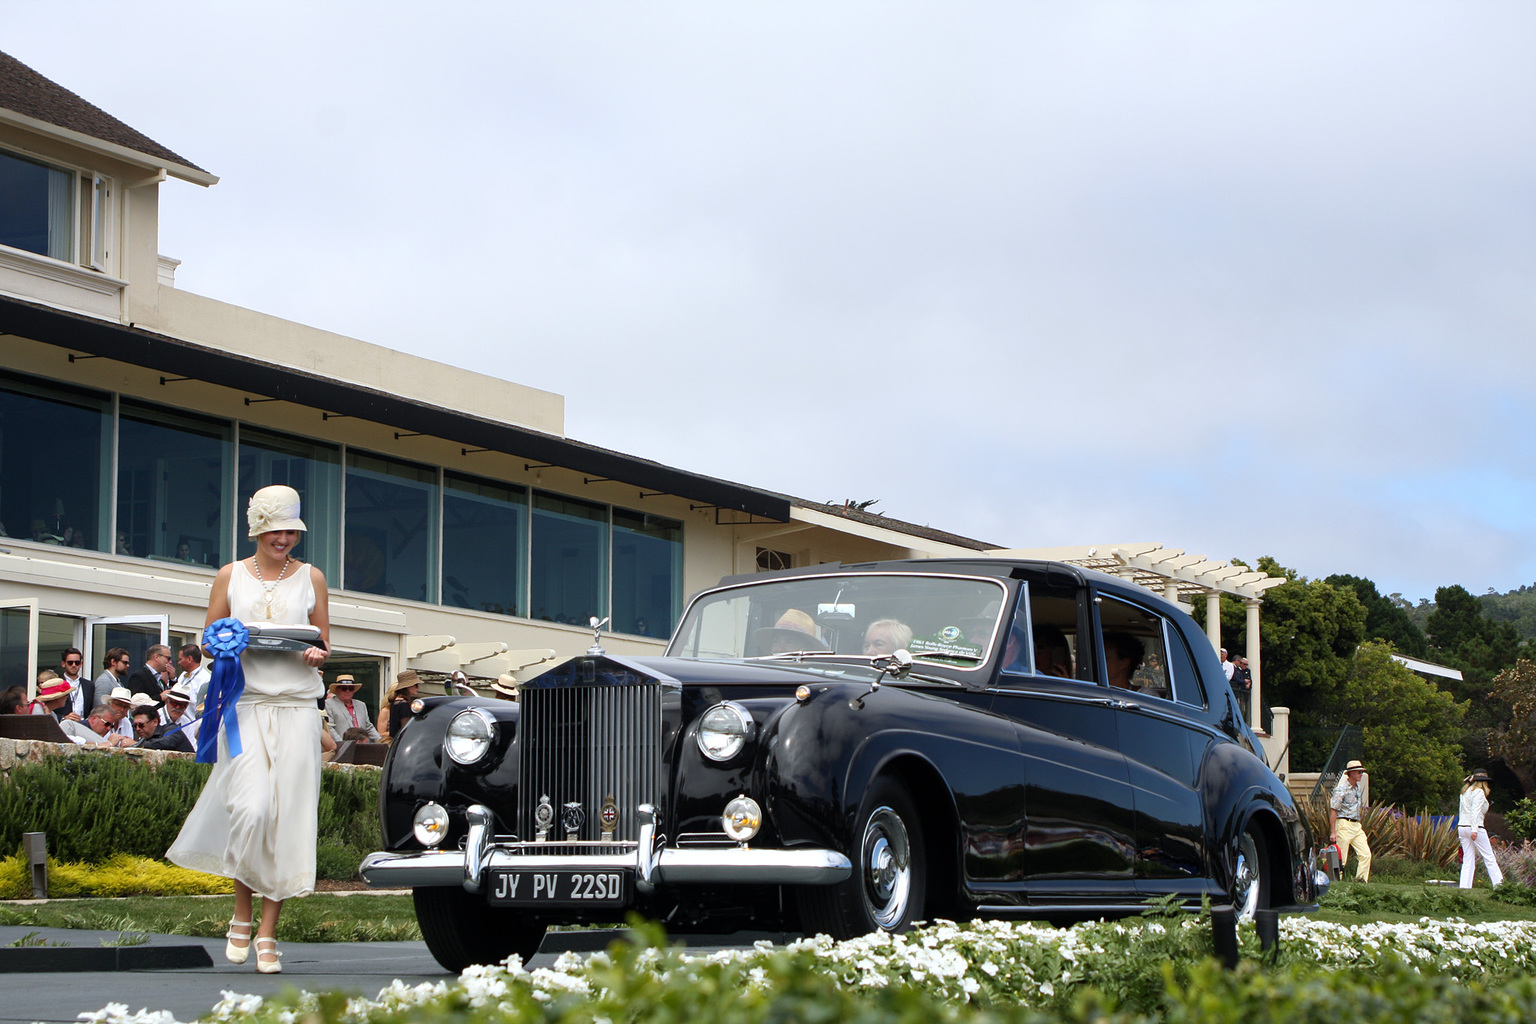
(93,808)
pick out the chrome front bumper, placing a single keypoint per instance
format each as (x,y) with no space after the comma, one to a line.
(650,859)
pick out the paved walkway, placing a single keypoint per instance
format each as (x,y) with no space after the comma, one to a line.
(361,968)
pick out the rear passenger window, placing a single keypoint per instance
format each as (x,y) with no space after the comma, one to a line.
(1186,681)
(1135,649)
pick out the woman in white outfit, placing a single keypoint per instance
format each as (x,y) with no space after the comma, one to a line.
(1470,830)
(257,818)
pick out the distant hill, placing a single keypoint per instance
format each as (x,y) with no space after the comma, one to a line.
(1517,607)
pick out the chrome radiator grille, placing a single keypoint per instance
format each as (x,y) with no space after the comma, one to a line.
(589,745)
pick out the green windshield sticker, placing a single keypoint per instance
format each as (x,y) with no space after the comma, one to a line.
(947,642)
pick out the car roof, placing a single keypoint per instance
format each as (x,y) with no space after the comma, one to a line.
(997,568)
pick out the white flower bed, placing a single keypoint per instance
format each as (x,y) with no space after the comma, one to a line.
(1023,962)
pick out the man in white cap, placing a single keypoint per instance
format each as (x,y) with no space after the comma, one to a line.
(178,707)
(1344,825)
(120,705)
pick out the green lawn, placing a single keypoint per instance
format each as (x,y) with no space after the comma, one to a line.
(322,917)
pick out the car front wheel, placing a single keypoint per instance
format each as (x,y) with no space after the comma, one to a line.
(460,929)
(888,885)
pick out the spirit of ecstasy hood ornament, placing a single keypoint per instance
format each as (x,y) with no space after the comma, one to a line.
(597,634)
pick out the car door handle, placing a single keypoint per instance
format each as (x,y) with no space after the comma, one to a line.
(1121,705)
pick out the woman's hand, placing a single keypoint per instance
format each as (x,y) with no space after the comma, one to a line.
(314,657)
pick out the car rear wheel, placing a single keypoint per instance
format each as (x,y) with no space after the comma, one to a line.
(887,888)
(460,929)
(1250,874)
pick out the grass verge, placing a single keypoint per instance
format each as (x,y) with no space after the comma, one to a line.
(317,918)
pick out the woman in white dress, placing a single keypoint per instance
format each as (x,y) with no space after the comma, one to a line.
(1470,830)
(257,818)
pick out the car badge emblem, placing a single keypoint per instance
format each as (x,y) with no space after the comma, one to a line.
(543,817)
(949,634)
(608,817)
(573,817)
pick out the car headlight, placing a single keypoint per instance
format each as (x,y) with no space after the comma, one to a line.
(724,731)
(431,824)
(470,735)
(743,818)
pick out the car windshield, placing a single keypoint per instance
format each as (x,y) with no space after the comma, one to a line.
(943,619)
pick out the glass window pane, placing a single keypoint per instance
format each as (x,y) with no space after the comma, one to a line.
(314,470)
(485,526)
(54,446)
(569,559)
(172,483)
(35,204)
(391,528)
(647,573)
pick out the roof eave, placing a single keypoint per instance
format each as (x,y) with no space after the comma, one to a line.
(148,161)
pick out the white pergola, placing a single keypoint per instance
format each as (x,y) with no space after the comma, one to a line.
(1180,578)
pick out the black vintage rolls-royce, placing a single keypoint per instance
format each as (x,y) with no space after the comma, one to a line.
(844,749)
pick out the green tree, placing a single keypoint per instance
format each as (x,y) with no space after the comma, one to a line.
(1513,740)
(1385,619)
(1463,637)
(1310,630)
(1410,727)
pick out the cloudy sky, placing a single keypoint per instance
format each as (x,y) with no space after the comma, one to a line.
(1242,279)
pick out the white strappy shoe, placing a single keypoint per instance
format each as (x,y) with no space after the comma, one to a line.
(266,947)
(233,953)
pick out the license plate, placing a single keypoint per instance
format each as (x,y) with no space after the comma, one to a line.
(559,888)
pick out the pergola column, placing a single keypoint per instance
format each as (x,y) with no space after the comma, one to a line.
(1213,618)
(1254,666)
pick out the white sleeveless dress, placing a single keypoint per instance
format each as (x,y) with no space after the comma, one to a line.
(257,818)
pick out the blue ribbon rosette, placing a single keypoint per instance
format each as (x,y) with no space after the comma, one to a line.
(224,639)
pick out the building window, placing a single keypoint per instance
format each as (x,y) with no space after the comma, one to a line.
(55,449)
(568,563)
(769,560)
(647,573)
(485,535)
(391,528)
(173,476)
(36,207)
(312,469)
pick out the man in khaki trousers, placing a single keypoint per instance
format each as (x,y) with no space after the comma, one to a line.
(1344,820)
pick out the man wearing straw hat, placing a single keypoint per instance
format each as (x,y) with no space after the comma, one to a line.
(1344,820)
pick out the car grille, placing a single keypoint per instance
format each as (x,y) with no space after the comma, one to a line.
(583,745)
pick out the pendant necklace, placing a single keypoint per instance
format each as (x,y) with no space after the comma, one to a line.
(269,587)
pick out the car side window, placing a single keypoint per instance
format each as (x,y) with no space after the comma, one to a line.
(1043,639)
(1135,648)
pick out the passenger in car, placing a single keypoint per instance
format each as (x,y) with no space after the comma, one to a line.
(886,636)
(1122,657)
(1053,655)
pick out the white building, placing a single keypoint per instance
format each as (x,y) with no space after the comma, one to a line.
(457,524)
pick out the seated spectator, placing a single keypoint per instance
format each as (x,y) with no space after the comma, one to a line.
(13,701)
(178,707)
(886,636)
(396,711)
(506,685)
(146,722)
(53,698)
(120,705)
(99,729)
(346,711)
